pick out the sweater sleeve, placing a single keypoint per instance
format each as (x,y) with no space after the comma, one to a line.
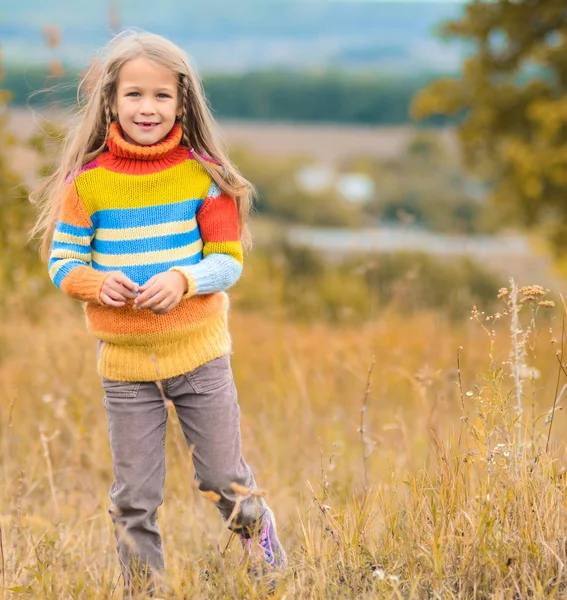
(70,256)
(221,265)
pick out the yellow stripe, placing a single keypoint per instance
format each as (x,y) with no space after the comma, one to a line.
(233,249)
(57,266)
(64,253)
(58,236)
(100,189)
(155,360)
(147,258)
(149,231)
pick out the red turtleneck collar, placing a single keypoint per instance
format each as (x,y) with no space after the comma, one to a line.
(133,159)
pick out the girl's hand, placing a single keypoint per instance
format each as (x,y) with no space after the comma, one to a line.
(117,289)
(162,292)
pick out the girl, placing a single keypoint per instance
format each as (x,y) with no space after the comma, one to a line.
(144,221)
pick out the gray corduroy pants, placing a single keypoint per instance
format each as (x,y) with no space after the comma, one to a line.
(206,403)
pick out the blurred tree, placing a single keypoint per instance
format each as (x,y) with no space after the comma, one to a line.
(426,186)
(513,96)
(21,273)
(267,95)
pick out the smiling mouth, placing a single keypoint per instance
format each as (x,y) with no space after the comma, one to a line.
(147,124)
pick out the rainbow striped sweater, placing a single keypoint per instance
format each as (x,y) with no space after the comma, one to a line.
(144,210)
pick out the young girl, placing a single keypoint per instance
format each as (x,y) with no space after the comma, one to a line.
(144,221)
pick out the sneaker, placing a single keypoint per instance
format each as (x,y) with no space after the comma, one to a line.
(264,551)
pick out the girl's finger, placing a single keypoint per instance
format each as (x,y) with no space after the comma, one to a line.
(163,306)
(152,302)
(126,282)
(109,301)
(114,286)
(148,284)
(127,293)
(145,295)
(123,289)
(115,295)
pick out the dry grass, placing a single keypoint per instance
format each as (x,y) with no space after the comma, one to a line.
(452,506)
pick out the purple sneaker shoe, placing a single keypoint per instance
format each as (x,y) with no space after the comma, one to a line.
(264,552)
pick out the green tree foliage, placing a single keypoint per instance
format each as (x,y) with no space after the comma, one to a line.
(315,97)
(264,95)
(512,94)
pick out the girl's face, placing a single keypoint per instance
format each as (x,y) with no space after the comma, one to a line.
(147,101)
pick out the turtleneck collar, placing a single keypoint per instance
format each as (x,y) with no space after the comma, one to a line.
(125,157)
(123,149)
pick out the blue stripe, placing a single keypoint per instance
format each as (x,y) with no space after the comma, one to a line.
(122,218)
(79,249)
(72,230)
(163,242)
(141,273)
(65,270)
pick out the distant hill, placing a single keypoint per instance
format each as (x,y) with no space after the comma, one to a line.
(240,35)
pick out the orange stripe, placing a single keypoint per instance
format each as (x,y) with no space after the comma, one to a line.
(218,219)
(110,162)
(120,147)
(72,210)
(128,320)
(83,283)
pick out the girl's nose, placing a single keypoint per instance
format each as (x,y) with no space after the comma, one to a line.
(147,107)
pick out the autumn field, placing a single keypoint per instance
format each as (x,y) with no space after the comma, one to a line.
(411,445)
(393,453)
(403,412)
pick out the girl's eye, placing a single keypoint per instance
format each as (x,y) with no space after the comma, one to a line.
(164,96)
(133,94)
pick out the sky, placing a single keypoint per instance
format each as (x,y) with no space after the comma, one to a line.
(223,35)
(393,1)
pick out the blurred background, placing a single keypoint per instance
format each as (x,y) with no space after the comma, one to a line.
(405,130)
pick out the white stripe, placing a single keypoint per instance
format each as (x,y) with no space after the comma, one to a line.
(148,231)
(66,253)
(67,238)
(147,258)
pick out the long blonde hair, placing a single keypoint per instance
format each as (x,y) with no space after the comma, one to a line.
(96,96)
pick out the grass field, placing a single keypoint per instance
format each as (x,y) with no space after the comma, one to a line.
(406,455)
(393,473)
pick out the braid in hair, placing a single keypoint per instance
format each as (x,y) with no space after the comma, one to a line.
(107,115)
(186,110)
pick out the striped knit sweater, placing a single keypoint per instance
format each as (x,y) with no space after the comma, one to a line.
(144,210)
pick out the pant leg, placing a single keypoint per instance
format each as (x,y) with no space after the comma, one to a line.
(137,421)
(207,406)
